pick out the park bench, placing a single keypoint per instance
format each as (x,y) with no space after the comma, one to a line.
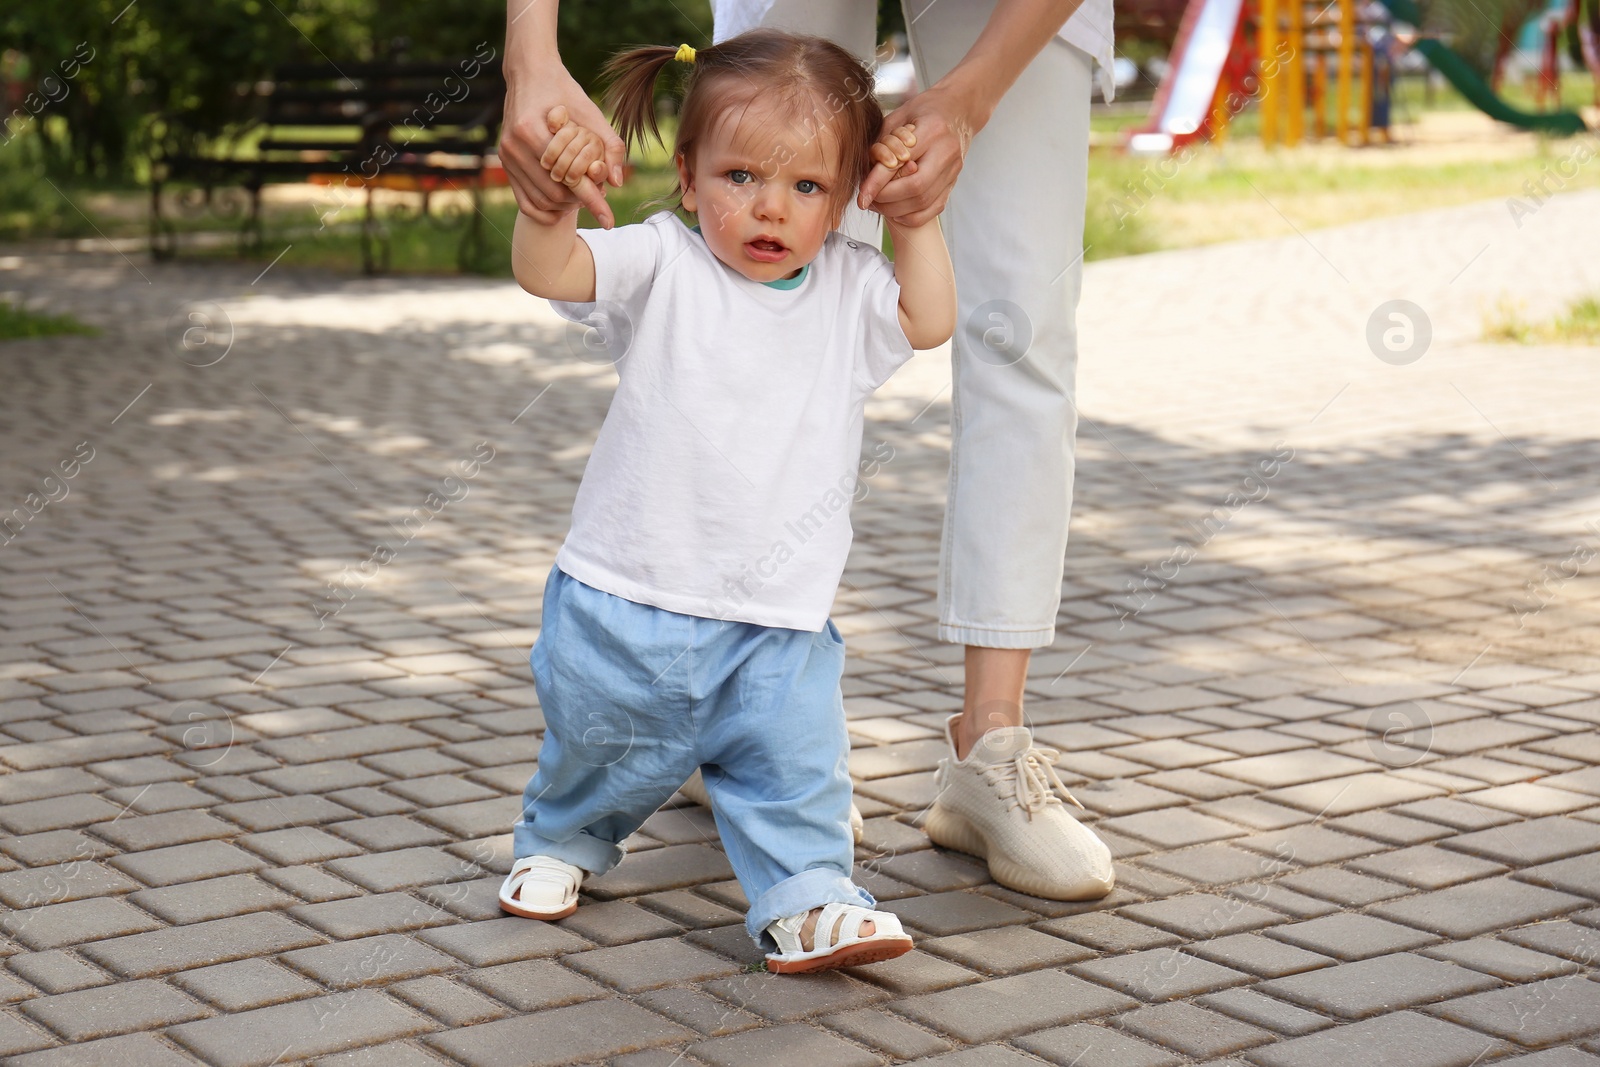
(424,127)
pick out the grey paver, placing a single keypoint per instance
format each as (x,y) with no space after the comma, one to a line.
(1536,841)
(1512,963)
(484,944)
(796,1045)
(56,971)
(54,925)
(649,964)
(778,998)
(955,913)
(1404,1039)
(917,972)
(187,863)
(301,1029)
(374,914)
(1259,955)
(1227,741)
(211,898)
(252,983)
(1008,950)
(1541,1013)
(1428,866)
(1161,974)
(1193,1030)
(200,944)
(1096,1046)
(705,1013)
(107,1011)
(134,1050)
(1266,1012)
(1378,985)
(449,1002)
(890,1035)
(1352,937)
(368,960)
(574,1034)
(1007,1006)
(1200,916)
(1478,907)
(534,985)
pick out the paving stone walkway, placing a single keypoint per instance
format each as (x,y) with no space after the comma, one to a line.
(266,709)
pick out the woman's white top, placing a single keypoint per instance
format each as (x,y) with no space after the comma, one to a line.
(1089,28)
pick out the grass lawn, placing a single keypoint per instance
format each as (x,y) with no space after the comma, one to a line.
(19,323)
(1579,324)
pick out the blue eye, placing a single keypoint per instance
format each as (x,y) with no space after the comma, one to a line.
(802,183)
(733,176)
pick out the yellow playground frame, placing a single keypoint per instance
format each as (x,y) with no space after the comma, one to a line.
(1311,32)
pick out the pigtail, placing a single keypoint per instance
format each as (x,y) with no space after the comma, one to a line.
(630,96)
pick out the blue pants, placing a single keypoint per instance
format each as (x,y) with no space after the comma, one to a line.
(636,697)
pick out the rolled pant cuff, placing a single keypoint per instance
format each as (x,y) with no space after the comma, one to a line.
(801,892)
(986,638)
(580,850)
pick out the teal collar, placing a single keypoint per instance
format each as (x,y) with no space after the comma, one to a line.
(781,283)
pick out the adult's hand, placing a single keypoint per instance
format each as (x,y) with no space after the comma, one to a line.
(946,120)
(952,111)
(524,136)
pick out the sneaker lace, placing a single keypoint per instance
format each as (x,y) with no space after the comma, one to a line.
(1030,781)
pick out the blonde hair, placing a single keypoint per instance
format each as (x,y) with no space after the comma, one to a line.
(801,73)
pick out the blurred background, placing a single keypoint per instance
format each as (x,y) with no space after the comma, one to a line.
(361,132)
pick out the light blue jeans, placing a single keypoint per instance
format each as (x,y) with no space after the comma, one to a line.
(636,697)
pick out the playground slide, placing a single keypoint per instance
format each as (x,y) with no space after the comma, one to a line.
(1468,84)
(1183,102)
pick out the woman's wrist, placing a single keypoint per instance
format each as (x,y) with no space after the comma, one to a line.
(974,91)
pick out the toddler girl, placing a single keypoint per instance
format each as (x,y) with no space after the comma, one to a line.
(685,621)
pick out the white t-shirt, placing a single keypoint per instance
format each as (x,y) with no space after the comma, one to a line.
(720,484)
(1089,28)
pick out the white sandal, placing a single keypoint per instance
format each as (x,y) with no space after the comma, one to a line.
(837,941)
(552,884)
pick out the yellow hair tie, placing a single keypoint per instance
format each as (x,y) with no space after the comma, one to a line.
(685,54)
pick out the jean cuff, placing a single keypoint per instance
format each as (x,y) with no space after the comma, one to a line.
(983,637)
(581,849)
(799,893)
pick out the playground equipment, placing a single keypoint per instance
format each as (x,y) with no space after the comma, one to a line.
(1282,54)
(1586,39)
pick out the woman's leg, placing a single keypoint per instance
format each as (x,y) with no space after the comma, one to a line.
(1014,224)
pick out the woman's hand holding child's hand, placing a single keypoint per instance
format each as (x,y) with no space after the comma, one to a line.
(573,153)
(892,153)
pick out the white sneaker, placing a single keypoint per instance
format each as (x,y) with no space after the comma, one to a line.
(1004,803)
(695,790)
(541,887)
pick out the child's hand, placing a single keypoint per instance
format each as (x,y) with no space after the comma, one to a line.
(892,152)
(574,153)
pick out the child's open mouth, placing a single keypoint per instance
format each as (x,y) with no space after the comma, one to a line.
(766,251)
